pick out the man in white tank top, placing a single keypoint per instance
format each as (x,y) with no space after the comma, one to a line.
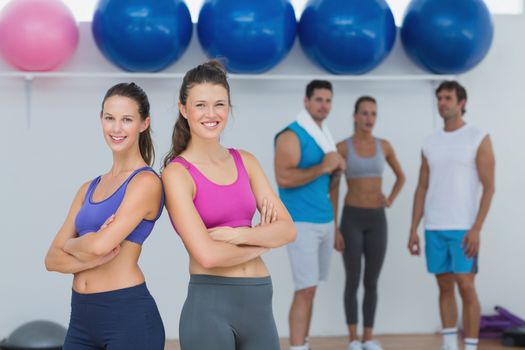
(454,192)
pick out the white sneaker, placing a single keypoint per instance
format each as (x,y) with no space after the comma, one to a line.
(372,345)
(355,345)
(447,347)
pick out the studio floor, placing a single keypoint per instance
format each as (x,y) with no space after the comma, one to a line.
(389,342)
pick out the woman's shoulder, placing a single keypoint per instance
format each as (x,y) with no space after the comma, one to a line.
(146,177)
(385,145)
(82,191)
(145,183)
(344,141)
(342,146)
(84,187)
(383,142)
(245,154)
(176,168)
(177,173)
(247,157)
(250,162)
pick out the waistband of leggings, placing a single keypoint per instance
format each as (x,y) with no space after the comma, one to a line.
(235,281)
(364,210)
(139,290)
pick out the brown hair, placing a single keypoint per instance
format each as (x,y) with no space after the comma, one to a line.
(361,100)
(317,84)
(211,72)
(452,85)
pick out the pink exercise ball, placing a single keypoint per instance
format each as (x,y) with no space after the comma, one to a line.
(37,35)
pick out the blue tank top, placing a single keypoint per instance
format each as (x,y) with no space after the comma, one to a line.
(309,202)
(358,167)
(93,214)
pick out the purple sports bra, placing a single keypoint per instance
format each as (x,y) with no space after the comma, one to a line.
(93,214)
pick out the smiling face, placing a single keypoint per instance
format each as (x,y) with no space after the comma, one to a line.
(122,123)
(365,116)
(206,110)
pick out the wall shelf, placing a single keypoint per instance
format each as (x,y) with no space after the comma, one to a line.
(30,76)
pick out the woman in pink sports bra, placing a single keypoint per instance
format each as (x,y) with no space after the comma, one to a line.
(211,195)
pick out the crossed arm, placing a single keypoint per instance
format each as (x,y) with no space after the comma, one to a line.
(60,261)
(211,249)
(71,254)
(142,200)
(276,227)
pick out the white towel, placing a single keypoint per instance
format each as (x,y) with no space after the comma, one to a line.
(322,136)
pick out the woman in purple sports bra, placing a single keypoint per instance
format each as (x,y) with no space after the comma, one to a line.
(211,196)
(101,239)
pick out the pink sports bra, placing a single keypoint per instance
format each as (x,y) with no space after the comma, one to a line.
(223,205)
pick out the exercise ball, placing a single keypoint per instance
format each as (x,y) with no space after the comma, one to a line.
(142,35)
(249,36)
(45,335)
(37,35)
(447,36)
(347,36)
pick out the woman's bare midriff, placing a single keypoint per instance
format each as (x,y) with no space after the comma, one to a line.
(121,272)
(364,193)
(252,268)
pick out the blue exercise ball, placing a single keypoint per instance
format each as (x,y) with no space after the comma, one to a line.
(142,35)
(447,36)
(250,36)
(347,36)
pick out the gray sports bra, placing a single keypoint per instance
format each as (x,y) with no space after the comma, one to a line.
(357,166)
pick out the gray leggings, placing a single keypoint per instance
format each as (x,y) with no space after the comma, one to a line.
(365,233)
(228,313)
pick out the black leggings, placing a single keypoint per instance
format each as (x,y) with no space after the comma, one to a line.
(228,313)
(365,233)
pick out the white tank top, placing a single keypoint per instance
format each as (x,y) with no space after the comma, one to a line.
(454,189)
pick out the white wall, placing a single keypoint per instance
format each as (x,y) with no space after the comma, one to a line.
(43,165)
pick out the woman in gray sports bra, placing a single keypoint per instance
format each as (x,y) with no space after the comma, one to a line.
(363,229)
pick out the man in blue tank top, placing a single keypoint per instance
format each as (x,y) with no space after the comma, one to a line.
(307,167)
(455,189)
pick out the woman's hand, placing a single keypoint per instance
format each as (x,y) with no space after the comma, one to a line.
(108,257)
(268,213)
(232,235)
(85,257)
(384,201)
(236,235)
(107,222)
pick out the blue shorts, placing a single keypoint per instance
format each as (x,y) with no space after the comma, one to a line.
(445,253)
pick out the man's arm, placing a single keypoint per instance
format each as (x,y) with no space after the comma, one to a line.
(485,163)
(419,203)
(287,157)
